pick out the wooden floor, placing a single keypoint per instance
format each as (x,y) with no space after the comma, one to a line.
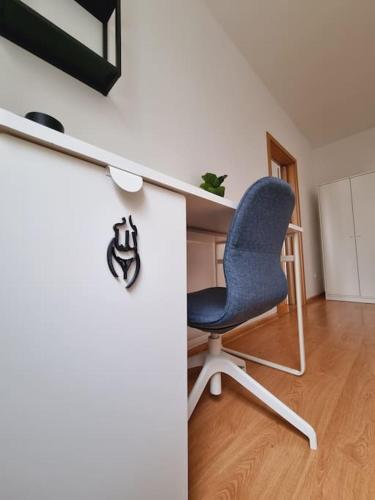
(238,449)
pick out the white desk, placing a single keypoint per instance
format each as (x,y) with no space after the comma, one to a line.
(93,376)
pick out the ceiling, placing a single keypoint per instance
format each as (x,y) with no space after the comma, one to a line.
(315,56)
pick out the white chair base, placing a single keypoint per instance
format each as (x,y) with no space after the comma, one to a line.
(215,361)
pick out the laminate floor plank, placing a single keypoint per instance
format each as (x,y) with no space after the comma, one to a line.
(240,450)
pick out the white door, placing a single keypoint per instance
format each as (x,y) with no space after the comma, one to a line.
(337,227)
(363,190)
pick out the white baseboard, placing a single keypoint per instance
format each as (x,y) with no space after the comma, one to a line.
(349,298)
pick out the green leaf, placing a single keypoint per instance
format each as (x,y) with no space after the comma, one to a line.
(209,178)
(212,183)
(220,191)
(221,179)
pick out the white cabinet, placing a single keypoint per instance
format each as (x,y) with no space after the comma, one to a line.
(363,191)
(340,260)
(92,376)
(347,209)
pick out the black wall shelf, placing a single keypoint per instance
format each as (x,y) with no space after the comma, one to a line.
(27,28)
(101,9)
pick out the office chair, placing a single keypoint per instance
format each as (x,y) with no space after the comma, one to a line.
(255,284)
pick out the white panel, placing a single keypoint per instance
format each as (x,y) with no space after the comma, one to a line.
(201,272)
(220,275)
(220,249)
(340,262)
(92,376)
(363,191)
(201,266)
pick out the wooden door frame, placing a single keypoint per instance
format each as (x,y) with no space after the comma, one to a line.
(277,153)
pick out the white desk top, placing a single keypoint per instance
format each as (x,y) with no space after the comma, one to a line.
(204,210)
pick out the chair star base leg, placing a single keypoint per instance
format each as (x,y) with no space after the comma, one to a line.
(218,362)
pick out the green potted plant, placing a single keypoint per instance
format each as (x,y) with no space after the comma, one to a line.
(213,184)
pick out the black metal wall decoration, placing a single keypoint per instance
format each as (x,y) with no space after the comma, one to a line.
(22,25)
(115,247)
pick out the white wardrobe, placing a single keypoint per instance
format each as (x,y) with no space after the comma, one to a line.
(347,216)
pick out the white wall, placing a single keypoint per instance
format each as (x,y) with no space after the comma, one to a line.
(349,156)
(188,102)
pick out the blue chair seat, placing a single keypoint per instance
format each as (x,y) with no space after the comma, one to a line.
(206,306)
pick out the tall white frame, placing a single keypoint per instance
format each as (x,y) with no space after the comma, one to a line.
(295,258)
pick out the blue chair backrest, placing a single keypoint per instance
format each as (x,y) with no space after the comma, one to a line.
(254,278)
